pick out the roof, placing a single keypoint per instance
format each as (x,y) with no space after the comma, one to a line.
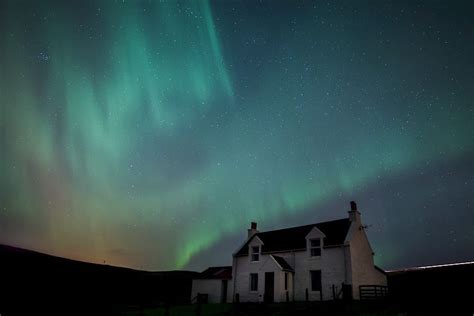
(222,273)
(380,269)
(289,239)
(438,267)
(283,264)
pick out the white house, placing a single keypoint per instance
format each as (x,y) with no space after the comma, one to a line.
(215,283)
(320,261)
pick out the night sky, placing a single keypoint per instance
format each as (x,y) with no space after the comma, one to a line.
(149,134)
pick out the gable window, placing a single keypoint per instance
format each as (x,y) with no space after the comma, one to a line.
(315,246)
(254,282)
(255,255)
(316,280)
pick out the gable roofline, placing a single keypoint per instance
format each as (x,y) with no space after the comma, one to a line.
(294,238)
(315,228)
(276,262)
(216,273)
(278,259)
(355,227)
(293,227)
(246,243)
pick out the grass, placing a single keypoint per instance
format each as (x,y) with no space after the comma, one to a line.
(278,309)
(185,310)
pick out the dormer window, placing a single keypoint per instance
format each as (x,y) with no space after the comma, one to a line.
(255,253)
(315,247)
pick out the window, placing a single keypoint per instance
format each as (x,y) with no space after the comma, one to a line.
(253,282)
(286,280)
(255,253)
(316,280)
(315,247)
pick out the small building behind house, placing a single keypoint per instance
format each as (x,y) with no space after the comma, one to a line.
(213,285)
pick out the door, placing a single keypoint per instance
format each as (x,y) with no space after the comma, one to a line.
(224,291)
(269,287)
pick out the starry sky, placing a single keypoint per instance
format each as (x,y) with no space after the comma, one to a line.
(149,134)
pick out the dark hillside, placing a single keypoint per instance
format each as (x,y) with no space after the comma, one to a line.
(44,283)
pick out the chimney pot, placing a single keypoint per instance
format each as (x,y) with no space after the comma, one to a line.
(354,215)
(353,206)
(252,230)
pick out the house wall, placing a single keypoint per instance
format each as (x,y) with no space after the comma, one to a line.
(351,263)
(230,291)
(242,268)
(332,266)
(212,288)
(363,269)
(265,264)
(333,263)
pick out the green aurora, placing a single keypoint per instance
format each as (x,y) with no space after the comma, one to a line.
(141,133)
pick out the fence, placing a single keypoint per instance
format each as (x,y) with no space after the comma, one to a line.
(373,292)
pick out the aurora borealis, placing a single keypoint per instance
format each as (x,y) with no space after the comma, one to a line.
(150,133)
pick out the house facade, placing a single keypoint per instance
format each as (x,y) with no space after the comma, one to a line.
(321,261)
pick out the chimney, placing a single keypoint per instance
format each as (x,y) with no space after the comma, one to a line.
(354,215)
(252,230)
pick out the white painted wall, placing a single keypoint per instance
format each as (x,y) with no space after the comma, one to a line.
(211,287)
(351,263)
(242,267)
(331,264)
(362,261)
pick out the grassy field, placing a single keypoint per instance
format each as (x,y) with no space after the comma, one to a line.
(186,310)
(273,310)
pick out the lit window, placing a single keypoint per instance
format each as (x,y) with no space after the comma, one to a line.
(253,282)
(315,247)
(255,253)
(316,280)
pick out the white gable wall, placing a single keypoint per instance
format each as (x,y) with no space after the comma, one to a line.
(242,268)
(363,270)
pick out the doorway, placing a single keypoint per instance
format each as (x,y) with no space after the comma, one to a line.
(224,291)
(268,297)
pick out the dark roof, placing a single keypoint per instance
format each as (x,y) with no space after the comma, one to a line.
(294,238)
(224,273)
(439,268)
(283,264)
(380,269)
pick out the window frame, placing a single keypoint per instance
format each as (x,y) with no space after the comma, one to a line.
(251,283)
(318,248)
(252,253)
